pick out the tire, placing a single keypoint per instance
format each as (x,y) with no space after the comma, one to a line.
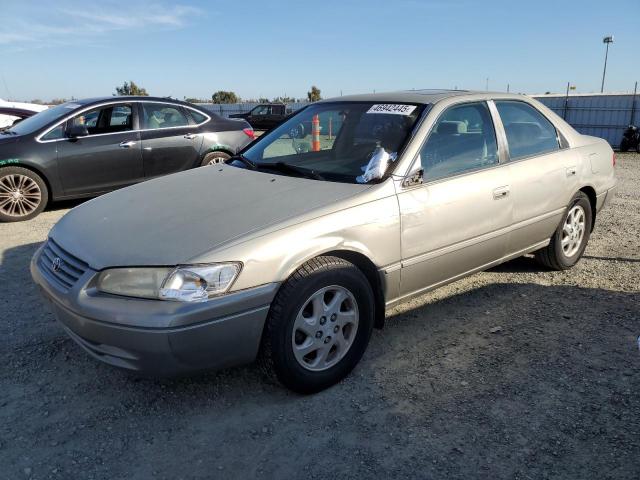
(23,194)
(565,251)
(624,145)
(638,147)
(344,287)
(214,158)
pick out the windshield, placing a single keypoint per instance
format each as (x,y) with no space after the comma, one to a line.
(42,119)
(355,142)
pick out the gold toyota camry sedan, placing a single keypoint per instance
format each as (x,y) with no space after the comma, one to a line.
(293,249)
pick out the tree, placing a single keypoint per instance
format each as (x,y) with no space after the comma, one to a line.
(285,99)
(130,88)
(222,96)
(314,94)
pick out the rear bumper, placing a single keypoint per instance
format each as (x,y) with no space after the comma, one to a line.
(606,197)
(160,337)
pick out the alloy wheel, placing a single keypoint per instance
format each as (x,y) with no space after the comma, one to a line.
(573,231)
(19,195)
(325,328)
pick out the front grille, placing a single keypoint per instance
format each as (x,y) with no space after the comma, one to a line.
(61,266)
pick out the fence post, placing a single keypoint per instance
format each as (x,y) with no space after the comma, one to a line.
(633,104)
(566,102)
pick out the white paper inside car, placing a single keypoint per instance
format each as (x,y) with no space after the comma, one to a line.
(377,165)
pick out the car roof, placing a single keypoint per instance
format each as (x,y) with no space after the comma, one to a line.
(425,96)
(124,98)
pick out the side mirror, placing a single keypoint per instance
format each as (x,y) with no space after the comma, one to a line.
(297,132)
(416,178)
(77,131)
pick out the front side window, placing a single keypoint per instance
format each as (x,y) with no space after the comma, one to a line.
(106,119)
(341,141)
(463,139)
(261,110)
(55,134)
(528,131)
(158,115)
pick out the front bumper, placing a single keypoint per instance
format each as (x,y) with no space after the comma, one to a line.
(159,337)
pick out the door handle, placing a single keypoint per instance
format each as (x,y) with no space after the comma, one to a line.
(191,136)
(571,171)
(128,144)
(501,192)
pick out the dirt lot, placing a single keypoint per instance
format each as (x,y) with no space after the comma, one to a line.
(553,392)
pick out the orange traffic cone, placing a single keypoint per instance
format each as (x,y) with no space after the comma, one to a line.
(315,134)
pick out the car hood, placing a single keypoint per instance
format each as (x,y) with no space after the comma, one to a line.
(170,220)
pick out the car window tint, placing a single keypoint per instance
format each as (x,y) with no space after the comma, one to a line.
(197,116)
(158,115)
(528,131)
(107,119)
(55,134)
(299,138)
(463,139)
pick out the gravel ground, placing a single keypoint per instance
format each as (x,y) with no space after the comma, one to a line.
(512,373)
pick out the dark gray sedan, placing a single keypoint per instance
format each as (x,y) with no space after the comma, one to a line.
(88,147)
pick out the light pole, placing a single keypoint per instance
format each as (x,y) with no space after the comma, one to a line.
(608,39)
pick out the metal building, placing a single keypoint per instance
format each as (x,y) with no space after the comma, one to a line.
(604,115)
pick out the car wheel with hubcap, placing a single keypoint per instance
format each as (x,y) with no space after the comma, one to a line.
(23,194)
(570,238)
(215,158)
(319,324)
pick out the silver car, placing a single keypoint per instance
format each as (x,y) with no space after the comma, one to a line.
(293,250)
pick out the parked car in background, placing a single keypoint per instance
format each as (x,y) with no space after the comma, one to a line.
(10,116)
(298,252)
(265,115)
(88,147)
(21,110)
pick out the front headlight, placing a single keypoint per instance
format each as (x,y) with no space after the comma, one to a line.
(185,283)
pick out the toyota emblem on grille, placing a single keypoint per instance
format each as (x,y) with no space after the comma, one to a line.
(55,264)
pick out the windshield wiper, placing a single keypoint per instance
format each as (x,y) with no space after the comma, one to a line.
(8,132)
(245,160)
(287,167)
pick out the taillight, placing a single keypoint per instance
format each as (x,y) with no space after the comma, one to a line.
(249,133)
(614,159)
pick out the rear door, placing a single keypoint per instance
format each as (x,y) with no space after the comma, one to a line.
(544,176)
(170,142)
(458,219)
(106,159)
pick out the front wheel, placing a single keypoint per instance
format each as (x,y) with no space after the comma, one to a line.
(23,194)
(570,238)
(319,324)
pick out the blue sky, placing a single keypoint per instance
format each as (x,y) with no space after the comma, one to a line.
(67,48)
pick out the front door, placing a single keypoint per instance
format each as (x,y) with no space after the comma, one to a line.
(458,219)
(107,157)
(169,141)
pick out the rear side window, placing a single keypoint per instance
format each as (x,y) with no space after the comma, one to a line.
(463,139)
(158,115)
(197,117)
(528,131)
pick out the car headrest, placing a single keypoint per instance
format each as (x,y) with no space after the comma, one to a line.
(524,130)
(451,127)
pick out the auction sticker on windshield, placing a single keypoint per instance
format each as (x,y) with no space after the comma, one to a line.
(392,108)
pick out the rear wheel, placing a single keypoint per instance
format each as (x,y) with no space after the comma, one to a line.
(570,238)
(215,158)
(23,194)
(319,324)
